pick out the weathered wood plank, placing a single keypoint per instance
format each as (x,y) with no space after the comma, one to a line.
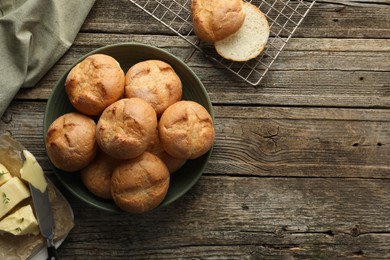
(267,141)
(245,218)
(302,141)
(324,20)
(360,3)
(335,20)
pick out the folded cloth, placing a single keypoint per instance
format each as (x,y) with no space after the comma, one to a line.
(34,34)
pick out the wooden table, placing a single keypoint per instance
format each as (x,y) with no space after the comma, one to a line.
(301,164)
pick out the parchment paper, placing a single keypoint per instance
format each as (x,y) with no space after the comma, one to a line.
(23,247)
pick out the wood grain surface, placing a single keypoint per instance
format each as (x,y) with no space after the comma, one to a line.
(301,163)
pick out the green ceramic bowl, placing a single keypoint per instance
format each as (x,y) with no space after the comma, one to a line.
(128,54)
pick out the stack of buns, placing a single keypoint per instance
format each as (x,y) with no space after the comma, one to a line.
(238,30)
(130,131)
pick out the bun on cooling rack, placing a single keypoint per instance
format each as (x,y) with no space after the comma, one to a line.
(249,41)
(214,20)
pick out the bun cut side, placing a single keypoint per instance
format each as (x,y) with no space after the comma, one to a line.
(250,40)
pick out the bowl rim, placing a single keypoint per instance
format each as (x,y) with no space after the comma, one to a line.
(46,125)
(131,44)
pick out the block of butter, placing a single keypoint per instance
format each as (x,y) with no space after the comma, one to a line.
(5,175)
(21,222)
(11,193)
(32,172)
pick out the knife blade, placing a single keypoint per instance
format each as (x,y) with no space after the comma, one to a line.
(42,208)
(45,219)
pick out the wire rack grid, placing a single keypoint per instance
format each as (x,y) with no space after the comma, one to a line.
(284,17)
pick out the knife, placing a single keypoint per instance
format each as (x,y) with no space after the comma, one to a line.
(44,216)
(45,219)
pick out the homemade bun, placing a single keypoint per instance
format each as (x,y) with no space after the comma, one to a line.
(172,163)
(214,20)
(154,81)
(249,41)
(140,184)
(70,141)
(186,130)
(95,83)
(126,127)
(97,175)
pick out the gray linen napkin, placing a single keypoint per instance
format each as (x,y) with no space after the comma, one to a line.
(34,34)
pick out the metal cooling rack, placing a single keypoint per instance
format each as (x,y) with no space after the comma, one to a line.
(284,17)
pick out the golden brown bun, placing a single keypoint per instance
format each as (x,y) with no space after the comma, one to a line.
(97,175)
(70,141)
(154,81)
(186,130)
(140,184)
(214,20)
(173,164)
(126,127)
(95,83)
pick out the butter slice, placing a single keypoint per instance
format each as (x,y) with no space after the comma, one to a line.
(32,172)
(11,193)
(5,175)
(21,222)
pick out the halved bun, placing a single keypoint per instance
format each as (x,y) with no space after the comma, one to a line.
(250,40)
(214,20)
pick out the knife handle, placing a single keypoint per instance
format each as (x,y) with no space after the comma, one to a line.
(52,253)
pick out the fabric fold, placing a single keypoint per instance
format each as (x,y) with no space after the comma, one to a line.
(34,35)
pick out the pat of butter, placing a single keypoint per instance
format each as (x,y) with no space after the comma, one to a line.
(32,172)
(21,222)
(11,193)
(5,175)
